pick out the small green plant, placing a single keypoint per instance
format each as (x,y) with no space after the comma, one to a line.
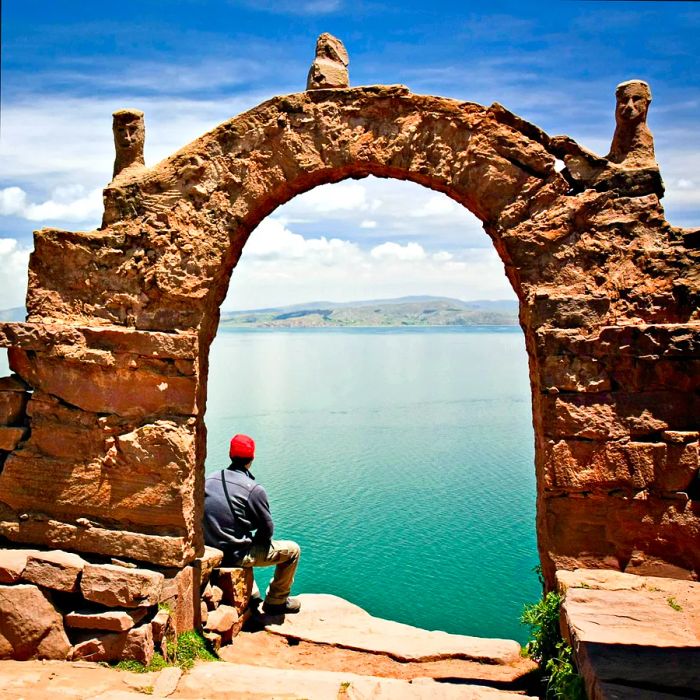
(563,682)
(542,618)
(190,647)
(147,690)
(183,652)
(132,666)
(166,607)
(157,664)
(674,603)
(552,654)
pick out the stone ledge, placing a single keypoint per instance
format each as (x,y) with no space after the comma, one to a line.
(640,632)
(158,550)
(328,619)
(117,339)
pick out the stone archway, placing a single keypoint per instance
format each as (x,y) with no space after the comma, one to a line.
(111,451)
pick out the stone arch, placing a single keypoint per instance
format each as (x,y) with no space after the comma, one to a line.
(111,453)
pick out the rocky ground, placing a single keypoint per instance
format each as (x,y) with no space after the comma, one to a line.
(331,650)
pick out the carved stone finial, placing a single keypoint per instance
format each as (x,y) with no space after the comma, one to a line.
(330,67)
(632,144)
(129,136)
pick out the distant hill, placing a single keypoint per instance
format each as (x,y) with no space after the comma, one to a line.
(405,311)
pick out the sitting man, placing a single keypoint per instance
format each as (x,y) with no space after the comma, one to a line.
(234,507)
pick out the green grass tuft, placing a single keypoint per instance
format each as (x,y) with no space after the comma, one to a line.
(552,654)
(190,647)
(674,604)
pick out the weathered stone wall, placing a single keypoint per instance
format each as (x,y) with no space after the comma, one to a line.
(120,322)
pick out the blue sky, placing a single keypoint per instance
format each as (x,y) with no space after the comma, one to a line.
(191,64)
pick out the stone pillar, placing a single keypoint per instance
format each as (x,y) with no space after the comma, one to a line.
(129,136)
(330,66)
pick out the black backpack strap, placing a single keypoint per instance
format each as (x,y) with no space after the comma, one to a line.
(228,498)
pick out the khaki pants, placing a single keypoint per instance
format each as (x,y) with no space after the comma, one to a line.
(284,556)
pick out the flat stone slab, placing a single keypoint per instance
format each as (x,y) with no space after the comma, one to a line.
(116,586)
(57,570)
(13,563)
(327,619)
(633,634)
(221,681)
(108,620)
(63,680)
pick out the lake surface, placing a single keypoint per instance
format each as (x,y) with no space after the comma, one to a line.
(401,460)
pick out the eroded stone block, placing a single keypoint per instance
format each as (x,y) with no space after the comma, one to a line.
(116,586)
(57,570)
(134,645)
(30,627)
(13,563)
(236,585)
(107,620)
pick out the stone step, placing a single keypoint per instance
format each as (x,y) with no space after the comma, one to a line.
(633,636)
(327,619)
(221,681)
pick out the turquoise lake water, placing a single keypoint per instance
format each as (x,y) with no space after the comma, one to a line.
(401,460)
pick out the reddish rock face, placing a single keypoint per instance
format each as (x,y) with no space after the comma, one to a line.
(37,635)
(121,319)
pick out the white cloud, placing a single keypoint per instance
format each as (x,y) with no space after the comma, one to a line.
(391,250)
(346,196)
(13,201)
(279,266)
(71,203)
(368,223)
(437,205)
(272,241)
(14,259)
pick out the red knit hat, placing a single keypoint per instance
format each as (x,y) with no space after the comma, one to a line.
(242,446)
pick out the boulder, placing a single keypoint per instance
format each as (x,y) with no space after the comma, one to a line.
(221,620)
(57,570)
(12,563)
(116,586)
(107,620)
(30,627)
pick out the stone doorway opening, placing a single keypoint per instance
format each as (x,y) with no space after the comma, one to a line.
(385,449)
